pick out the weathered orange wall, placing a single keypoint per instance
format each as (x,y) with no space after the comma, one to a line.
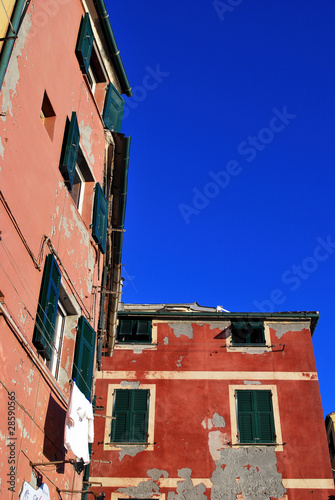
(43,60)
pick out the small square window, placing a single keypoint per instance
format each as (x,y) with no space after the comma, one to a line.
(48,115)
(134,331)
(248,333)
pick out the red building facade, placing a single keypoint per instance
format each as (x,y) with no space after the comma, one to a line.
(201,403)
(63,179)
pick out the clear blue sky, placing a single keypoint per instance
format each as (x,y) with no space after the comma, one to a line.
(231,176)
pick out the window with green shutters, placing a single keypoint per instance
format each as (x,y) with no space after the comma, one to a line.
(248,333)
(255,416)
(100,213)
(130,416)
(47,308)
(82,370)
(113,109)
(70,149)
(134,330)
(85,43)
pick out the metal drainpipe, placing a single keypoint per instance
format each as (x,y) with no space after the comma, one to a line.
(114,51)
(9,44)
(118,235)
(102,315)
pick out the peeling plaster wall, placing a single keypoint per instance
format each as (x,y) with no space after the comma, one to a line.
(282,328)
(193,372)
(45,213)
(251,472)
(186,490)
(182,328)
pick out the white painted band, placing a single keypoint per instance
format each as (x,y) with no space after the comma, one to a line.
(121,482)
(205,375)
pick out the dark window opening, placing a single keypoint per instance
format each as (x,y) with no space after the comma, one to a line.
(134,330)
(248,333)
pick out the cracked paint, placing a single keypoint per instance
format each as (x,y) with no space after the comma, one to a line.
(130,385)
(251,472)
(2,150)
(252,382)
(218,420)
(30,377)
(166,340)
(23,317)
(23,432)
(222,325)
(216,441)
(85,134)
(145,489)
(12,76)
(131,450)
(178,362)
(182,328)
(186,490)
(282,328)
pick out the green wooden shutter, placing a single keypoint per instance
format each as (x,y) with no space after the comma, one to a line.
(113,109)
(139,416)
(83,361)
(100,213)
(245,416)
(125,327)
(47,308)
(121,414)
(70,150)
(255,417)
(85,43)
(264,416)
(130,412)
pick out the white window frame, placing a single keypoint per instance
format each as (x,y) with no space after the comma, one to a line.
(54,363)
(140,346)
(261,348)
(109,412)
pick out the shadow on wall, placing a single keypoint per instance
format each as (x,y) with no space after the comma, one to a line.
(224,334)
(332,497)
(53,446)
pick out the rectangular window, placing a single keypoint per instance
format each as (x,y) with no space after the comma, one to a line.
(134,330)
(54,363)
(255,416)
(130,416)
(47,308)
(247,333)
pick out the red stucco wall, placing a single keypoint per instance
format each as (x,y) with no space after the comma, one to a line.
(189,392)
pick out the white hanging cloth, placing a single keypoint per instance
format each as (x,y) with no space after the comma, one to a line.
(79,427)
